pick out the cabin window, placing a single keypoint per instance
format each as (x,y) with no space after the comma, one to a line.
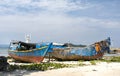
(14,46)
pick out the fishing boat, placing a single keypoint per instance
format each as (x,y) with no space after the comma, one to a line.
(90,52)
(28,52)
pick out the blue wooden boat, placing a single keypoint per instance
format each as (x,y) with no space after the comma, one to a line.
(28,52)
(94,51)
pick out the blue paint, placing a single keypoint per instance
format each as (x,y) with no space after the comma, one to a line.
(63,52)
(38,51)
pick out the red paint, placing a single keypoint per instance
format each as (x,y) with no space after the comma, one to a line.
(33,59)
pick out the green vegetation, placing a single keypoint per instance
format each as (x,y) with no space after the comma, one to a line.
(8,57)
(49,66)
(81,63)
(93,62)
(115,59)
(42,66)
(111,59)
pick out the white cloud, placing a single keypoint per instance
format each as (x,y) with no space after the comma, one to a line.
(59,6)
(99,23)
(56,28)
(64,5)
(48,22)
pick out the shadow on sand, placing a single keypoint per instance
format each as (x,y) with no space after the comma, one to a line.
(16,73)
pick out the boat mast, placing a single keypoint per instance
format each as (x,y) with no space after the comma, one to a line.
(27,38)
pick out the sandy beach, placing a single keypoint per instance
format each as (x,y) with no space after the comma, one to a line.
(100,69)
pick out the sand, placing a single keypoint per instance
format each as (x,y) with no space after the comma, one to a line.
(100,69)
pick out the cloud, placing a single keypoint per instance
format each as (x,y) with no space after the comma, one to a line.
(63,5)
(52,20)
(56,28)
(61,24)
(99,23)
(33,6)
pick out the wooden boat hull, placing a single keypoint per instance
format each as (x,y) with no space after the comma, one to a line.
(58,56)
(35,55)
(32,59)
(91,52)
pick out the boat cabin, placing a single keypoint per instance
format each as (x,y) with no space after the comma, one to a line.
(20,46)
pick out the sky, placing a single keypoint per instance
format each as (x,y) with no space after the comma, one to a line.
(62,21)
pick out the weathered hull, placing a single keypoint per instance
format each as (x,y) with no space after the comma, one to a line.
(57,55)
(91,52)
(35,55)
(32,59)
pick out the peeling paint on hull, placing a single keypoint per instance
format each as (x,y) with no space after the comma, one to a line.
(91,52)
(34,55)
(59,56)
(32,59)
